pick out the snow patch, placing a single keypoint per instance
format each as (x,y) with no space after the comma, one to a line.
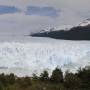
(85,22)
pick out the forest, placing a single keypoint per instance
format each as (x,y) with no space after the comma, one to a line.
(58,80)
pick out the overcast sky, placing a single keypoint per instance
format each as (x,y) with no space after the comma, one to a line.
(24,16)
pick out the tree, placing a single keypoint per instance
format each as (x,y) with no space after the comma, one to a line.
(35,77)
(3,79)
(57,76)
(84,75)
(44,76)
(71,80)
(11,78)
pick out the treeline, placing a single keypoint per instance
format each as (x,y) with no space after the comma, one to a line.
(56,81)
(75,33)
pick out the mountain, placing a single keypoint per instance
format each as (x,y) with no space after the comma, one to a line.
(79,32)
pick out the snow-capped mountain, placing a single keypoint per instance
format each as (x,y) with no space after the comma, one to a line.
(78,32)
(66,27)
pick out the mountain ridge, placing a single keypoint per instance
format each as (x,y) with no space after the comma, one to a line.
(79,32)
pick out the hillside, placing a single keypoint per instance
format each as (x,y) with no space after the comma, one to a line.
(75,33)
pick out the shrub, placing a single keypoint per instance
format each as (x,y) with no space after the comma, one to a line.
(24,82)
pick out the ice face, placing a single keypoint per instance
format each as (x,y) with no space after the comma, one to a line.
(26,58)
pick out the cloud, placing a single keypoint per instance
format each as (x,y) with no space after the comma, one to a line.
(42,11)
(8,9)
(30,10)
(35,15)
(21,24)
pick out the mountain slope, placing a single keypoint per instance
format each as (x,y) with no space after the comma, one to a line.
(80,32)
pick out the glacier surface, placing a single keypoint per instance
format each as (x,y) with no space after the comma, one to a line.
(28,57)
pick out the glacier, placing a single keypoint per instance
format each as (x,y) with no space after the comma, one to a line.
(28,56)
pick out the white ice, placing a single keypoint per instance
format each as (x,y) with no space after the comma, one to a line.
(33,55)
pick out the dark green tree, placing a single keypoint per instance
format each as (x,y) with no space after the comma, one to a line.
(11,78)
(35,77)
(71,81)
(44,76)
(57,76)
(3,79)
(84,75)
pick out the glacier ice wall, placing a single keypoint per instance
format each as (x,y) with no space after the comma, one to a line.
(25,58)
